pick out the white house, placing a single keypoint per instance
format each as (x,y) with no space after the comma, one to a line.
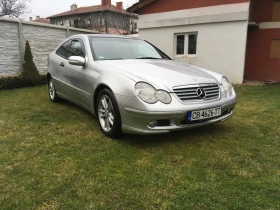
(208,33)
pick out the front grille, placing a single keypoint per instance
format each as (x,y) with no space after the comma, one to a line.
(189,93)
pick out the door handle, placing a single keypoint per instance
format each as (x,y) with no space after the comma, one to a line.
(62,64)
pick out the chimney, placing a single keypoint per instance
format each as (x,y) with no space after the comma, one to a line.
(30,19)
(73,7)
(38,17)
(119,5)
(105,2)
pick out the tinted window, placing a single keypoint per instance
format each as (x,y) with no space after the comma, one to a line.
(63,50)
(76,49)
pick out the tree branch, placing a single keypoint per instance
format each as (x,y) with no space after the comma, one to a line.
(14,8)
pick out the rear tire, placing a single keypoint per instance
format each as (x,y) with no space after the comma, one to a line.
(52,91)
(108,114)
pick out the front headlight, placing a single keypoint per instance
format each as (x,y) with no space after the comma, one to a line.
(164,97)
(226,87)
(146,92)
(150,95)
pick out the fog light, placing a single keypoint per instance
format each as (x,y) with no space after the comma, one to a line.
(153,124)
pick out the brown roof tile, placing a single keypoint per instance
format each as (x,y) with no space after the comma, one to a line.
(42,20)
(135,7)
(96,8)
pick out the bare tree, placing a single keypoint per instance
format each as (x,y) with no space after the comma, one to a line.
(124,22)
(15,8)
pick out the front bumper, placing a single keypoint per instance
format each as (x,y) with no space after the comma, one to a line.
(136,121)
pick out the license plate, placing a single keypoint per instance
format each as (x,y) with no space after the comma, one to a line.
(204,114)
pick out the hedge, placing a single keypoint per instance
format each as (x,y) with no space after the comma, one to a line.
(19,81)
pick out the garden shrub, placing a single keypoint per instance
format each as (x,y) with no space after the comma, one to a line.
(30,71)
(19,81)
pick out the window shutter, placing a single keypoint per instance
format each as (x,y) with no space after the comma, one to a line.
(275,49)
(276,11)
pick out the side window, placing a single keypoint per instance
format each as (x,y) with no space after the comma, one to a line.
(76,48)
(63,50)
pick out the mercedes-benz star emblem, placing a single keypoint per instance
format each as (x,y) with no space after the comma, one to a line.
(201,93)
(194,79)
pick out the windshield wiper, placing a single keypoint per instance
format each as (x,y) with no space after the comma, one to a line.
(148,58)
(111,59)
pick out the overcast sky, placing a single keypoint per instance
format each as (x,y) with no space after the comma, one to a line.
(46,8)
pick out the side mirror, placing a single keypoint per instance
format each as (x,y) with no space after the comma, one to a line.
(77,61)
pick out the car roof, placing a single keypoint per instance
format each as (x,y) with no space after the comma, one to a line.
(109,36)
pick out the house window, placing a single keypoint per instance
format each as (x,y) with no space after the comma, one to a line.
(89,21)
(276,10)
(180,50)
(186,44)
(275,49)
(76,23)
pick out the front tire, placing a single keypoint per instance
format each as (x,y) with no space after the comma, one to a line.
(52,91)
(108,114)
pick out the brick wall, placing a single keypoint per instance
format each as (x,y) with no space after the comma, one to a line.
(159,6)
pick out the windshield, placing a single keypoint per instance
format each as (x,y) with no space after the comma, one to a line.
(120,48)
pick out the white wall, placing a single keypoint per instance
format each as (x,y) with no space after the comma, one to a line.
(9,48)
(220,46)
(221,41)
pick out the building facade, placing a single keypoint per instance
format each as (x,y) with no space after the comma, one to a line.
(231,37)
(105,17)
(263,45)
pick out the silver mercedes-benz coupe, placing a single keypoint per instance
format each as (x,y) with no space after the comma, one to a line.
(133,87)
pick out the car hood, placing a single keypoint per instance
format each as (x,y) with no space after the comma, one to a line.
(161,73)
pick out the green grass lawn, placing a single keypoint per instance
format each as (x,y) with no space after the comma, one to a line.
(53,156)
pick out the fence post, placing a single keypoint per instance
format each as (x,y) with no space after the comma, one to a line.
(67,32)
(21,44)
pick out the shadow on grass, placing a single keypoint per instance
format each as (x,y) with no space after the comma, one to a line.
(191,136)
(73,106)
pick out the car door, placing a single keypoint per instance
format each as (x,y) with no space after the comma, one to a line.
(67,76)
(58,63)
(72,82)
(77,75)
(87,75)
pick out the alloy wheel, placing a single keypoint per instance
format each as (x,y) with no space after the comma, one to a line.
(106,113)
(51,90)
